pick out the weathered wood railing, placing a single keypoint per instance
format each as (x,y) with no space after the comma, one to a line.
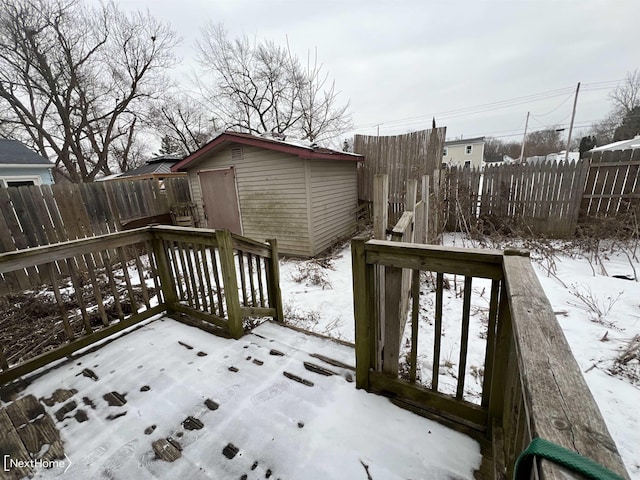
(531,387)
(98,286)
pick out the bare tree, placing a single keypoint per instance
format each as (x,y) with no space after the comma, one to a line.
(322,116)
(75,78)
(184,123)
(261,87)
(626,96)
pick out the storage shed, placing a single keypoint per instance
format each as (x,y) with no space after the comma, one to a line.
(263,187)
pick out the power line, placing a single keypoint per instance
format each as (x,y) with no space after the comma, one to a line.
(492,106)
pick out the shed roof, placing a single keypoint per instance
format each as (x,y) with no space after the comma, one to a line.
(151,167)
(464,141)
(13,152)
(294,148)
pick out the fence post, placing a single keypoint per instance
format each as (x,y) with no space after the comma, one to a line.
(380,206)
(364,316)
(437,206)
(230,282)
(164,271)
(273,282)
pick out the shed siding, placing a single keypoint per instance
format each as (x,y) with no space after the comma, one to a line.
(334,201)
(271,192)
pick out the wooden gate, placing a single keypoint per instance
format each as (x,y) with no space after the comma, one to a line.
(220,199)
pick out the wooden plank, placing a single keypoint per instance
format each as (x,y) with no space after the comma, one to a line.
(391,319)
(108,270)
(412,259)
(230,281)
(82,342)
(273,281)
(40,255)
(243,282)
(75,282)
(96,288)
(167,281)
(464,337)
(462,412)
(200,269)
(551,378)
(252,287)
(257,311)
(22,212)
(12,447)
(18,278)
(260,272)
(216,279)
(140,269)
(380,209)
(362,306)
(415,311)
(175,274)
(438,332)
(127,279)
(491,344)
(60,302)
(200,315)
(151,257)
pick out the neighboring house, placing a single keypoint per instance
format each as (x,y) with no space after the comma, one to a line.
(20,165)
(158,167)
(464,153)
(261,187)
(632,144)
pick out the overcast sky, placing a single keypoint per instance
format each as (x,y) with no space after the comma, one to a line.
(401,62)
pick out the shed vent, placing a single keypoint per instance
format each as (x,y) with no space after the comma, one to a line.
(236,153)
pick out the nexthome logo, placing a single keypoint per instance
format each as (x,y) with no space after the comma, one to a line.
(11,463)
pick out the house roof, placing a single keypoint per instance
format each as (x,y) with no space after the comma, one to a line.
(464,141)
(297,148)
(13,152)
(631,144)
(151,167)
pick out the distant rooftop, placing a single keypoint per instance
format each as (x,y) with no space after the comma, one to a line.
(631,144)
(155,166)
(464,141)
(13,152)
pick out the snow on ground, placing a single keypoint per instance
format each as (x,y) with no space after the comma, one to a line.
(578,286)
(237,409)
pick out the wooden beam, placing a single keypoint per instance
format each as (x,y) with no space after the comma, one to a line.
(380,206)
(273,281)
(558,402)
(362,306)
(230,281)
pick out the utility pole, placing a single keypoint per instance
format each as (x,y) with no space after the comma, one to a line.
(526,124)
(573,115)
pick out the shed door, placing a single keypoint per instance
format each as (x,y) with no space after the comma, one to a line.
(220,199)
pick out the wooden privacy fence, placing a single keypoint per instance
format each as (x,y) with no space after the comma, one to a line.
(548,198)
(613,184)
(216,278)
(402,157)
(32,216)
(531,387)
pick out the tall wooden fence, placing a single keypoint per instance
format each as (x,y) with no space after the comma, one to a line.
(32,216)
(402,157)
(613,184)
(547,198)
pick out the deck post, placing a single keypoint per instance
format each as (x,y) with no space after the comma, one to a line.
(273,281)
(164,272)
(362,309)
(230,282)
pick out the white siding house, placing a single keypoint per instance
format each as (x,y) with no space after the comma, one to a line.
(467,152)
(303,196)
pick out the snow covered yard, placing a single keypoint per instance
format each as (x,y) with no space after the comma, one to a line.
(599,314)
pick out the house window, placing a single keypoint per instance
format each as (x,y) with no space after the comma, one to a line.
(20,183)
(468,149)
(467,164)
(445,152)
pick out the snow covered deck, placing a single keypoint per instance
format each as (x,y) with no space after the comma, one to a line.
(171,401)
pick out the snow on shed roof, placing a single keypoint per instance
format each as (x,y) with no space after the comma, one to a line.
(299,148)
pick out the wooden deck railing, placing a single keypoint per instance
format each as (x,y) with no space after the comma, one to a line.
(98,286)
(531,387)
